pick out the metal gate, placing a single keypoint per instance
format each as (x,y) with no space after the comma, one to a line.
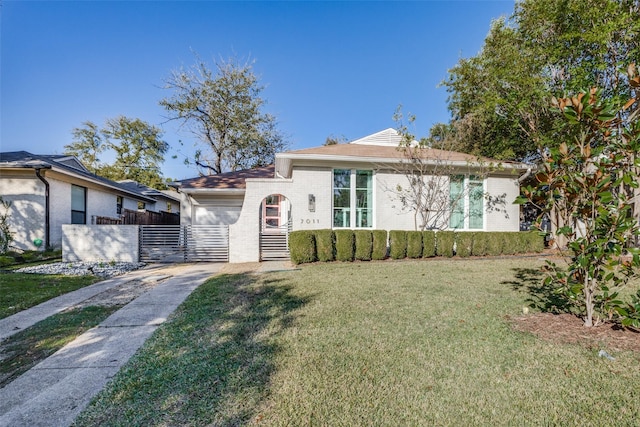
(188,243)
(274,243)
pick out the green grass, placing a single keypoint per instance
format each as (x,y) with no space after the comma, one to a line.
(381,343)
(19,291)
(21,351)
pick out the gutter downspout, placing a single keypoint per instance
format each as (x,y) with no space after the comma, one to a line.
(47,225)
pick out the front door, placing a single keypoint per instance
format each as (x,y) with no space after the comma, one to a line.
(275,224)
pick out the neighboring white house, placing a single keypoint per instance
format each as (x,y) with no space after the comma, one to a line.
(339,186)
(164,200)
(47,191)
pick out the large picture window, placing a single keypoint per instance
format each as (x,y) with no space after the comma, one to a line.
(78,205)
(352,198)
(466,202)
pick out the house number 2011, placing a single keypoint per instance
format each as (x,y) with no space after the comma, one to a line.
(309,221)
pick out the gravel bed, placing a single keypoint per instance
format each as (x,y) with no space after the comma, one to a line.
(100,269)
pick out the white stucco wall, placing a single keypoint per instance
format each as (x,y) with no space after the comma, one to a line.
(389,214)
(60,209)
(100,243)
(507,216)
(128,203)
(26,215)
(316,181)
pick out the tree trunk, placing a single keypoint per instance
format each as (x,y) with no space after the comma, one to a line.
(588,301)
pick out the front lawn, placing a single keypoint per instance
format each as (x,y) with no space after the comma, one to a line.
(19,291)
(381,343)
(22,351)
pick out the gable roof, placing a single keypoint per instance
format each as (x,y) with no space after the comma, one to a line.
(67,165)
(229,182)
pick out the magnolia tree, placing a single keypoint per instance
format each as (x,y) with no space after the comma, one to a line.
(588,186)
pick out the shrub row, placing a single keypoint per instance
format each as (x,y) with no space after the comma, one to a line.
(365,245)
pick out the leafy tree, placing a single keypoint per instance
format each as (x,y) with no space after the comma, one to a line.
(224,112)
(87,145)
(137,147)
(139,151)
(588,185)
(499,99)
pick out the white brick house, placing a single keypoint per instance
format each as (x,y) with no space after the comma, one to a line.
(339,186)
(47,191)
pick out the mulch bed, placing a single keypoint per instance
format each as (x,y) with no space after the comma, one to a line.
(567,328)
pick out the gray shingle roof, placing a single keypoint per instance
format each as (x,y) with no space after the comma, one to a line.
(64,164)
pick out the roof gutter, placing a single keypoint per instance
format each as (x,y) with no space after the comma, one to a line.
(47,208)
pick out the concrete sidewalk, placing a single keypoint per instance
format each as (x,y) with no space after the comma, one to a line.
(56,390)
(26,318)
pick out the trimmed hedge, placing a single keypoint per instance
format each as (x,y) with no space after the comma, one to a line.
(494,244)
(444,243)
(535,241)
(428,244)
(379,244)
(397,244)
(364,244)
(414,244)
(464,244)
(325,245)
(302,246)
(345,245)
(510,242)
(479,247)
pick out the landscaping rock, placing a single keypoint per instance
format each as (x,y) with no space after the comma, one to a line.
(100,269)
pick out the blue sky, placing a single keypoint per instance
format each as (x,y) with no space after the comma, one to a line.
(330,68)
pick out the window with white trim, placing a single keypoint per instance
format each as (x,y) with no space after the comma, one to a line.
(352,198)
(466,202)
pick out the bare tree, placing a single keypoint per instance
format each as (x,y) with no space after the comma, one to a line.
(442,191)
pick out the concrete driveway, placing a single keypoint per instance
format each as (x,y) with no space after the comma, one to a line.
(56,390)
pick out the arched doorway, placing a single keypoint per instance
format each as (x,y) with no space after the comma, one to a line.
(275,225)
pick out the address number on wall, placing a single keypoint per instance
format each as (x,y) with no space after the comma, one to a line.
(310,221)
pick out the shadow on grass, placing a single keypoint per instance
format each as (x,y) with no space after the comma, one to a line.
(543,297)
(211,364)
